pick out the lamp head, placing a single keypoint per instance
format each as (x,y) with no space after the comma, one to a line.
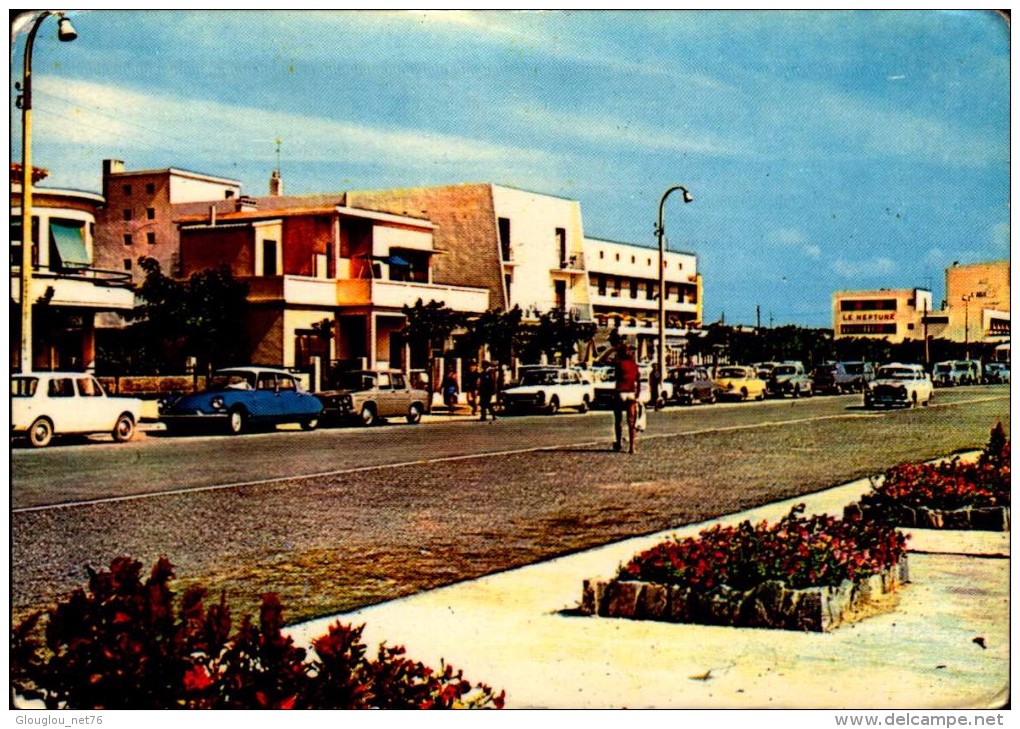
(65,31)
(688,197)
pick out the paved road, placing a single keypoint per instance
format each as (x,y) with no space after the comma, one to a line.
(341,518)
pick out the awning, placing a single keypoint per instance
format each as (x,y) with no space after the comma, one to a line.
(70,242)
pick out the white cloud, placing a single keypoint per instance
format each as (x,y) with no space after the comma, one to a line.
(625,133)
(878,266)
(99,115)
(794,238)
(1000,237)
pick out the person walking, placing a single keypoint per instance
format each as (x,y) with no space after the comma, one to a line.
(628,389)
(450,389)
(487,390)
(471,378)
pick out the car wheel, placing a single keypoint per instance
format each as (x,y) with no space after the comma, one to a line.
(124,430)
(554,405)
(711,399)
(796,391)
(583,407)
(237,421)
(310,424)
(743,393)
(368,416)
(41,433)
(414,413)
(913,400)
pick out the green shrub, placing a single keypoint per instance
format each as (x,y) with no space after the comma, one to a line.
(120,644)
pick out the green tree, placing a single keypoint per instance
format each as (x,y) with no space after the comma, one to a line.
(426,328)
(557,335)
(201,317)
(500,331)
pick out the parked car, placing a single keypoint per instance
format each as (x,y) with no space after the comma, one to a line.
(824,377)
(241,399)
(853,376)
(996,372)
(692,384)
(789,378)
(740,383)
(549,389)
(896,384)
(45,405)
(366,396)
(605,389)
(952,373)
(975,372)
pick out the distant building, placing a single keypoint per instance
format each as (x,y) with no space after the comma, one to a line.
(892,314)
(976,309)
(624,283)
(138,218)
(68,288)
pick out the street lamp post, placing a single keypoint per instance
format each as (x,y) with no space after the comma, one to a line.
(66,33)
(966,324)
(660,231)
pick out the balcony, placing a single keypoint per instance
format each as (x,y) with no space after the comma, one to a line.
(88,288)
(572,265)
(397,294)
(580,312)
(303,290)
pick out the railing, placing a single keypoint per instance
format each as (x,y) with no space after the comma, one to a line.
(98,276)
(580,312)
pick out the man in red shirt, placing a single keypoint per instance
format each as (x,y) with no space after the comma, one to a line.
(628,389)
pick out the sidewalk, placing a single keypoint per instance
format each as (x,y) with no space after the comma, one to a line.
(509,630)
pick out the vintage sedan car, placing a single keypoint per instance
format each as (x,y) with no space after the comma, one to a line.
(789,378)
(896,384)
(548,389)
(951,373)
(692,384)
(605,389)
(368,396)
(853,376)
(740,383)
(49,404)
(241,399)
(996,373)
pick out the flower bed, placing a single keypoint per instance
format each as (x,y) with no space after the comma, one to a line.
(949,495)
(799,574)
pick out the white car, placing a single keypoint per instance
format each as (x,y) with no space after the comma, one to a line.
(48,404)
(605,390)
(906,385)
(549,389)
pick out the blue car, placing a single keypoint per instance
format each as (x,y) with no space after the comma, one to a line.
(241,399)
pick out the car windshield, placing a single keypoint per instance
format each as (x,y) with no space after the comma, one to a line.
(784,370)
(897,373)
(685,376)
(356,381)
(854,368)
(733,372)
(539,377)
(943,368)
(232,381)
(23,386)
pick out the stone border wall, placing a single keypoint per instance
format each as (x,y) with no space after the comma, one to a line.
(985,518)
(769,605)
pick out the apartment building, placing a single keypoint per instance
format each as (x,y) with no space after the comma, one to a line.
(623,280)
(526,248)
(325,279)
(68,289)
(138,217)
(977,302)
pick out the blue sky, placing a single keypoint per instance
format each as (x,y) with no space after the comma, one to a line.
(825,150)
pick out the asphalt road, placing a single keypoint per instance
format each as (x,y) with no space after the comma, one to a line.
(340,518)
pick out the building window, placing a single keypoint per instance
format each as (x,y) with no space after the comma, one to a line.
(127,239)
(150,188)
(127,190)
(561,242)
(633,289)
(127,215)
(867,305)
(680,265)
(150,213)
(633,259)
(602,285)
(649,261)
(617,256)
(127,264)
(150,238)
(269,258)
(504,238)
(602,254)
